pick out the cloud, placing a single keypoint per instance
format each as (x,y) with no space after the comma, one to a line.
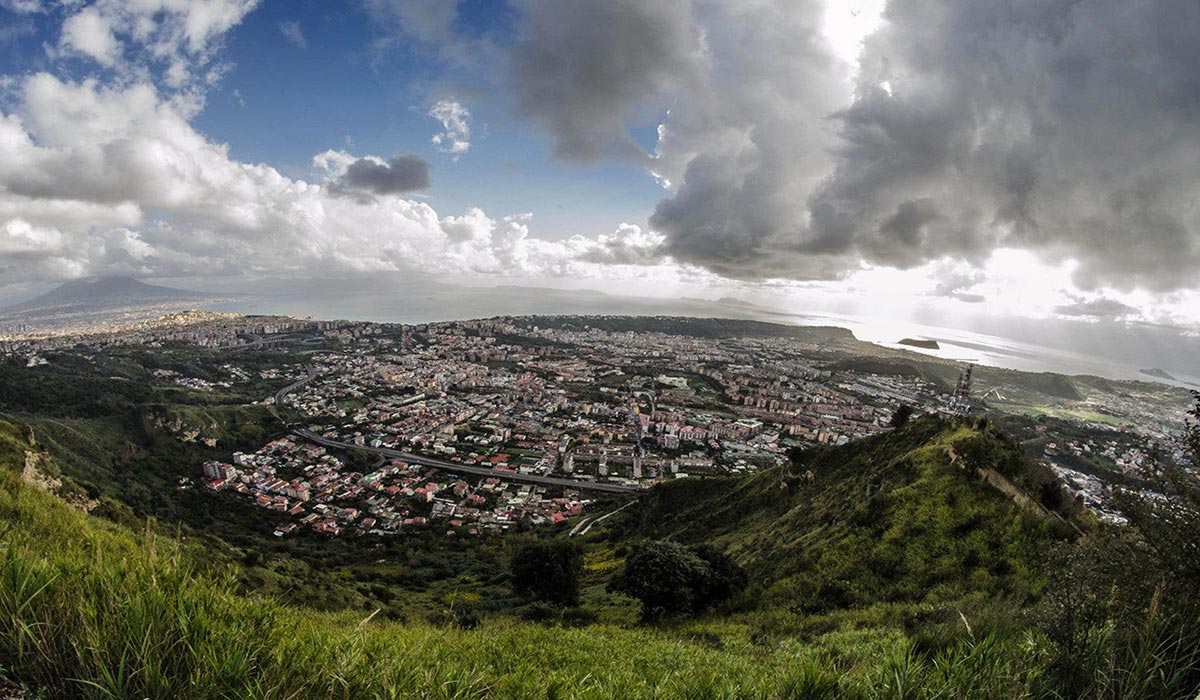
(748,93)
(23,6)
(628,245)
(455,137)
(425,25)
(956,281)
(99,180)
(91,34)
(584,69)
(1099,308)
(965,128)
(744,152)
(749,88)
(292,32)
(176,39)
(401,174)
(1012,121)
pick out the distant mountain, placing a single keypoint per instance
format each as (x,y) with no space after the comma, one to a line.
(98,304)
(107,292)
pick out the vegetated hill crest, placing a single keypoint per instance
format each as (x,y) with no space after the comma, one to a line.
(902,517)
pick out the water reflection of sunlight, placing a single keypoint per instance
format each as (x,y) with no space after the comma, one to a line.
(979,348)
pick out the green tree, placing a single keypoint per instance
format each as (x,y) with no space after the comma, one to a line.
(671,579)
(548,570)
(901,416)
(361,460)
(725,578)
(1167,514)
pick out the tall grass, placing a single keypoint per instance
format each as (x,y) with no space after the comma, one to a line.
(90,610)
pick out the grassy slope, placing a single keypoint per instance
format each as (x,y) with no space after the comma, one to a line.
(89,609)
(883,520)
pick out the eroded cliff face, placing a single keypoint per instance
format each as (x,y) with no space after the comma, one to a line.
(186,431)
(39,470)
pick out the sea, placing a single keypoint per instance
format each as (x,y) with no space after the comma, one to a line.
(1113,351)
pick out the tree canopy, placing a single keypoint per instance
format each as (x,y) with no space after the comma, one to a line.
(671,579)
(548,570)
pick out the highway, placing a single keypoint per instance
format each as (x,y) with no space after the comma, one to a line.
(279,395)
(264,342)
(467,469)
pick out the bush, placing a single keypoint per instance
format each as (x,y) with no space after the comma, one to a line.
(725,578)
(548,570)
(671,579)
(538,612)
(900,416)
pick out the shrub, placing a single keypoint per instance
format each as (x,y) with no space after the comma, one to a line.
(671,579)
(548,570)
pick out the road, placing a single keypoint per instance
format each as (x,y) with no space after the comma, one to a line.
(467,469)
(264,342)
(282,393)
(583,526)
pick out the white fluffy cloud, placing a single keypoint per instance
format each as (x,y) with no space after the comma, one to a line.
(455,137)
(106,175)
(90,33)
(106,180)
(173,39)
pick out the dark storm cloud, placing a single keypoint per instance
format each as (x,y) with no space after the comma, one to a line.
(400,174)
(1067,127)
(582,69)
(744,150)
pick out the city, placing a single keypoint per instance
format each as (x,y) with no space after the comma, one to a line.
(587,411)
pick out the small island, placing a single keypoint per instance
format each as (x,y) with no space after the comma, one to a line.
(921,343)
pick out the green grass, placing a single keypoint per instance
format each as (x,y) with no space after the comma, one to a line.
(883,520)
(89,609)
(1063,411)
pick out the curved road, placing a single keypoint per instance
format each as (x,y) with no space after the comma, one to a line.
(582,527)
(279,395)
(467,469)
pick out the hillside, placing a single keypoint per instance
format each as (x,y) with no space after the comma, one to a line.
(89,609)
(695,327)
(898,518)
(92,610)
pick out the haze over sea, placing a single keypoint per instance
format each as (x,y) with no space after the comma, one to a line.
(1110,350)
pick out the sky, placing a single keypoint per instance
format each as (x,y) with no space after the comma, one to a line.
(916,158)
